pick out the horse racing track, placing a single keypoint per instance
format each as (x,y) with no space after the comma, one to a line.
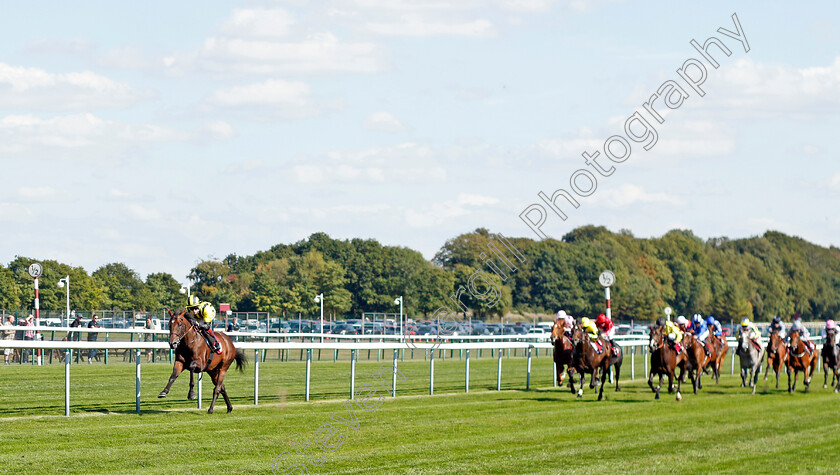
(544,430)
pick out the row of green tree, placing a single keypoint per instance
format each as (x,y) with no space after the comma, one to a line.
(757,277)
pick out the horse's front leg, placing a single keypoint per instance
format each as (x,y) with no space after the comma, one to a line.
(176,370)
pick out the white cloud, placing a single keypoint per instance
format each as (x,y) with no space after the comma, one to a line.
(38,193)
(259,22)
(835,182)
(15,213)
(317,53)
(439,213)
(33,88)
(626,195)
(384,122)
(747,88)
(27,133)
(404,163)
(273,98)
(143,213)
(219,129)
(414,26)
(476,200)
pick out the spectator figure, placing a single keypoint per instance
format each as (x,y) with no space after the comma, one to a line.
(233,326)
(28,335)
(149,337)
(92,336)
(75,336)
(8,335)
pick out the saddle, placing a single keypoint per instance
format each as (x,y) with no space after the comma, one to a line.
(616,350)
(756,344)
(596,345)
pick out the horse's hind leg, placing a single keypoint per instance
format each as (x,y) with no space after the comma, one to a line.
(227,399)
(617,374)
(191,394)
(825,371)
(218,378)
(176,370)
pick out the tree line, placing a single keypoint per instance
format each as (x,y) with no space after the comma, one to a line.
(757,277)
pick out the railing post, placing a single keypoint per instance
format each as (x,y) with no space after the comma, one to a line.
(431,372)
(106,349)
(394,376)
(137,398)
(499,374)
(645,358)
(353,374)
(199,389)
(633,363)
(554,376)
(308,371)
(467,381)
(732,369)
(67,357)
(256,376)
(528,376)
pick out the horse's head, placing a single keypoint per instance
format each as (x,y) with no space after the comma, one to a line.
(577,334)
(557,330)
(795,341)
(655,342)
(179,325)
(775,343)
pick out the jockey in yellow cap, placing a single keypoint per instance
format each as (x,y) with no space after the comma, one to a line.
(591,330)
(674,333)
(748,326)
(205,313)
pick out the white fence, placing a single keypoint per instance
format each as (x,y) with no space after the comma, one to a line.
(396,343)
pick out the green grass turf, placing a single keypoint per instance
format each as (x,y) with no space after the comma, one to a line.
(544,430)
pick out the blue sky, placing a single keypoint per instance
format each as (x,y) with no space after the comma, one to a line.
(158,134)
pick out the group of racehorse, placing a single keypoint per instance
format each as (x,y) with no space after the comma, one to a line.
(573,354)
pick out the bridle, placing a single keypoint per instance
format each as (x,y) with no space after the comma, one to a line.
(182,335)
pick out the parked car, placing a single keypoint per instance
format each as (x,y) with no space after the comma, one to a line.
(538,331)
(344,329)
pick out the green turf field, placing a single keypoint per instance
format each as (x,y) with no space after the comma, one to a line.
(544,430)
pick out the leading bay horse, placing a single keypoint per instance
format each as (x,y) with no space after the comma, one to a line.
(193,353)
(776,355)
(564,351)
(799,359)
(588,360)
(664,360)
(831,359)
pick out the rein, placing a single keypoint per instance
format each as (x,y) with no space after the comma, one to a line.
(183,335)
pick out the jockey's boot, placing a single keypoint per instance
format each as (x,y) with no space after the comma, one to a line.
(216,346)
(678,347)
(706,349)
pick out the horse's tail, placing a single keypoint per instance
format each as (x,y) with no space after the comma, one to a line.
(241,360)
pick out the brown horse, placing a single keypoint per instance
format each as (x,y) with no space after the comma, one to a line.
(697,359)
(195,355)
(564,351)
(776,356)
(831,359)
(587,360)
(800,360)
(664,360)
(719,349)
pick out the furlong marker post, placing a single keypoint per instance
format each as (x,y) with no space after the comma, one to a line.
(352,374)
(431,372)
(499,374)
